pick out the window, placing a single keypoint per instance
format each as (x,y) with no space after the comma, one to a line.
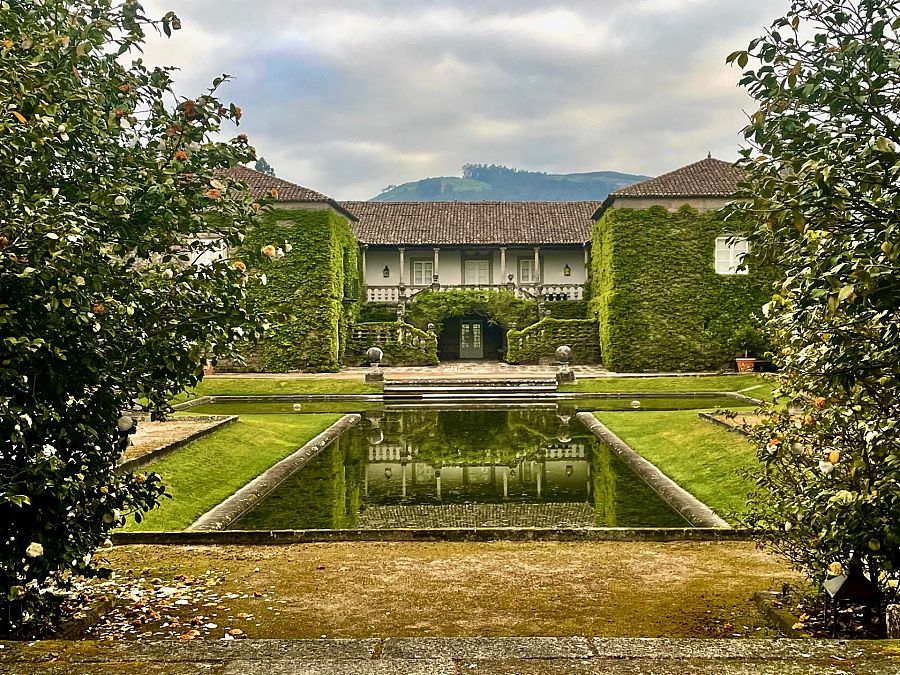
(476,273)
(422,272)
(730,252)
(207,250)
(526,271)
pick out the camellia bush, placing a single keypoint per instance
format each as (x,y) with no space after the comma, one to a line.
(824,191)
(108,181)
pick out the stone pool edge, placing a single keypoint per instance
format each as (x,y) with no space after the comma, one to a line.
(451,534)
(687,505)
(226,512)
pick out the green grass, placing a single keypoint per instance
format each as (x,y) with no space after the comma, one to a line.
(666,384)
(701,457)
(243,386)
(205,472)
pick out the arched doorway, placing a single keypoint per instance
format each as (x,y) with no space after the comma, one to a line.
(471,337)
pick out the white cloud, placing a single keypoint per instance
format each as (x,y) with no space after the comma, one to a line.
(348,97)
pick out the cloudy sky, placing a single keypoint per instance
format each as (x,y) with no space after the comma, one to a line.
(348,96)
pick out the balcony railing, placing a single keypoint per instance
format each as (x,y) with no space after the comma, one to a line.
(397,293)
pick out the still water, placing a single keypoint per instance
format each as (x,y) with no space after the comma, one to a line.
(423,468)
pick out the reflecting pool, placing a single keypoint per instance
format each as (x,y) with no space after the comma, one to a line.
(425,468)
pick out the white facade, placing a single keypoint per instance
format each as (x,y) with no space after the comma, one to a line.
(554,269)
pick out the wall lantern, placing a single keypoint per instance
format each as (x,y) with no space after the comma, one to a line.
(388,473)
(386,272)
(567,271)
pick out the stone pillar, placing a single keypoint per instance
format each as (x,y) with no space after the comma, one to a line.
(538,272)
(502,264)
(437,262)
(402,266)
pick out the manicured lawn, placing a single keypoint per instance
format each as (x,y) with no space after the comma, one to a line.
(205,472)
(666,384)
(701,457)
(242,386)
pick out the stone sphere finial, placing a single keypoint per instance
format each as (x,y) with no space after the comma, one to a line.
(564,353)
(374,354)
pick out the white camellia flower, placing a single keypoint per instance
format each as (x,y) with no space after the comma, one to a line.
(34,550)
(217,184)
(826,467)
(843,496)
(788,527)
(279,253)
(119,201)
(263,279)
(835,569)
(288,248)
(167,274)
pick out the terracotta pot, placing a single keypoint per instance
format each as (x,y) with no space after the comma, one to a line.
(209,368)
(745,365)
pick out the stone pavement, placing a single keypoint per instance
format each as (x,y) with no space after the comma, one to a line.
(455,656)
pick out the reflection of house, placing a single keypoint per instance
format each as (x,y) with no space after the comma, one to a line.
(557,472)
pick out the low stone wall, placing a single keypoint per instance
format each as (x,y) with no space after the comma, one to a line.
(154,455)
(244,499)
(461,534)
(691,509)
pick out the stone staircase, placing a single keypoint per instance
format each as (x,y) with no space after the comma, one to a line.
(470,390)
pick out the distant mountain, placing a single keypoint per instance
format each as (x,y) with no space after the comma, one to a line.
(492,182)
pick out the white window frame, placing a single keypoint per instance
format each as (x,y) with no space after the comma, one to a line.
(419,278)
(486,268)
(729,254)
(526,264)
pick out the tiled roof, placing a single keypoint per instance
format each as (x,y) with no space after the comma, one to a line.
(261,186)
(709,177)
(472,223)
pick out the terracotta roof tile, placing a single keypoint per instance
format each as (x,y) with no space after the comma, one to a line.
(472,223)
(261,186)
(709,177)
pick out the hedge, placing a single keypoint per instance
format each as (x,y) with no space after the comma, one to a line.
(539,341)
(371,312)
(402,344)
(500,307)
(312,293)
(568,309)
(659,302)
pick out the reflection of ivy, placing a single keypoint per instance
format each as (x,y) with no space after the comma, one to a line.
(499,307)
(604,486)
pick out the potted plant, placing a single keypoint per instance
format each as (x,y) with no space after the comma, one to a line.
(746,341)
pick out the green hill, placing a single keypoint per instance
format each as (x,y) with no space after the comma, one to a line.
(491,182)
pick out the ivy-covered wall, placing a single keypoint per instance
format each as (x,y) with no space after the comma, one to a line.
(658,300)
(540,340)
(402,344)
(500,307)
(311,293)
(568,309)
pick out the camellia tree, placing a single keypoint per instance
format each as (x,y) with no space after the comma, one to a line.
(824,193)
(108,180)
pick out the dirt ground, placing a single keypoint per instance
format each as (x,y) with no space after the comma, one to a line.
(152,435)
(352,590)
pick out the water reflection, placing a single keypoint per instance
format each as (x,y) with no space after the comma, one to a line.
(472,468)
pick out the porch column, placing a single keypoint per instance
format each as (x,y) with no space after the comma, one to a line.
(437,262)
(402,266)
(365,247)
(538,272)
(587,257)
(502,264)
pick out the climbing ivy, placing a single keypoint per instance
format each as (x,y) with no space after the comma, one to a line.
(658,299)
(311,293)
(540,340)
(401,343)
(499,307)
(568,309)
